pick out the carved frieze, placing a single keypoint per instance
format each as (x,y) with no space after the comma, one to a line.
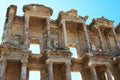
(59,54)
(14,54)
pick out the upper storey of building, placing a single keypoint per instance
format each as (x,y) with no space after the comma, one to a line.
(68,30)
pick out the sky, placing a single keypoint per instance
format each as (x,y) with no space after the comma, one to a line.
(110,9)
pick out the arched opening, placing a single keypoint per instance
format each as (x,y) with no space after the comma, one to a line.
(76,76)
(35,48)
(34,75)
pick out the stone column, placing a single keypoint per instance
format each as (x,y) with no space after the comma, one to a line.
(78,50)
(48,33)
(60,37)
(68,71)
(2,69)
(42,74)
(115,38)
(108,75)
(24,70)
(83,76)
(100,38)
(50,71)
(7,28)
(86,37)
(93,73)
(41,47)
(64,32)
(26,32)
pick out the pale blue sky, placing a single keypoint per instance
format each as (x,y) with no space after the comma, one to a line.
(93,8)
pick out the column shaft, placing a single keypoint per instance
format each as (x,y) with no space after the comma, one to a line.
(100,38)
(64,33)
(68,71)
(7,29)
(115,38)
(48,33)
(50,71)
(41,47)
(86,37)
(2,70)
(60,37)
(42,74)
(26,32)
(93,73)
(24,71)
(108,75)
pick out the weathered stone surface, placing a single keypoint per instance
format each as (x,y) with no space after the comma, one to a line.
(97,45)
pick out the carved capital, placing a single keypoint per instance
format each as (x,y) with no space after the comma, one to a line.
(67,63)
(24,62)
(3,61)
(62,21)
(49,62)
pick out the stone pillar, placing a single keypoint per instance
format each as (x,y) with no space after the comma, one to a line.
(68,71)
(115,38)
(86,37)
(7,28)
(93,73)
(78,50)
(50,71)
(64,32)
(83,76)
(48,33)
(24,70)
(41,47)
(100,38)
(109,77)
(26,32)
(2,69)
(60,37)
(86,74)
(42,74)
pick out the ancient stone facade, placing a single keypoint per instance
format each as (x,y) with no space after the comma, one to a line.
(97,44)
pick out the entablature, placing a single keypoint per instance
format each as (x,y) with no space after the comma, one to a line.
(117,29)
(37,10)
(63,54)
(71,15)
(101,22)
(12,53)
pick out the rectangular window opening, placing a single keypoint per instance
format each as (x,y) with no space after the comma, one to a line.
(35,48)
(34,75)
(76,76)
(73,50)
